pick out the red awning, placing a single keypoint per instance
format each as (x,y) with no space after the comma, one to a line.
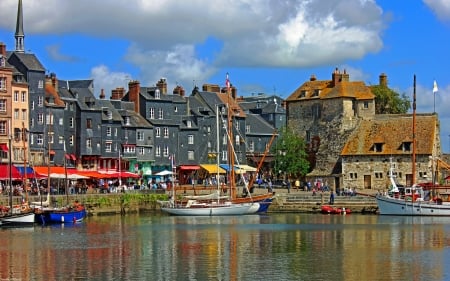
(74,158)
(4,147)
(5,169)
(52,152)
(67,156)
(189,167)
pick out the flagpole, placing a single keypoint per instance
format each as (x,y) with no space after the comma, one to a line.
(435,90)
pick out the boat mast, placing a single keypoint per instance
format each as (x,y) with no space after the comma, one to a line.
(10,169)
(414,134)
(218,152)
(230,142)
(24,181)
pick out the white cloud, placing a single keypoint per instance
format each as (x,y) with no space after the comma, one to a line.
(440,7)
(108,80)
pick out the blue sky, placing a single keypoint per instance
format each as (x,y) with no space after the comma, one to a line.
(266,46)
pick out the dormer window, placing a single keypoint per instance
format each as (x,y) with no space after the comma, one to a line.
(378,147)
(303,93)
(2,61)
(316,93)
(127,120)
(157,94)
(189,123)
(406,146)
(109,114)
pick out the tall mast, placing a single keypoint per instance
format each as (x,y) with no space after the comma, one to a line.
(414,134)
(230,145)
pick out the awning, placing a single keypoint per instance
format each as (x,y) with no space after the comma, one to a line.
(67,156)
(246,168)
(189,167)
(5,172)
(213,168)
(4,147)
(74,158)
(30,173)
(52,152)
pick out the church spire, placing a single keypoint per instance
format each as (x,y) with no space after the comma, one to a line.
(19,30)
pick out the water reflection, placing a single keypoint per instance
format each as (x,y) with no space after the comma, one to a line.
(272,247)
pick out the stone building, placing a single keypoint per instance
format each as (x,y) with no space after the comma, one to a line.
(336,117)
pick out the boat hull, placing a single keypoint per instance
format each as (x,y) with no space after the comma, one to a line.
(61,216)
(401,207)
(264,200)
(220,210)
(22,219)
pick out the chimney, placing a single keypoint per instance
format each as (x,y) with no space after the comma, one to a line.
(383,80)
(2,49)
(134,89)
(233,92)
(179,91)
(335,77)
(102,94)
(54,81)
(162,85)
(312,78)
(117,93)
(345,76)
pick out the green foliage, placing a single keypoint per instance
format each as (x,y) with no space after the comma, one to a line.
(387,101)
(290,153)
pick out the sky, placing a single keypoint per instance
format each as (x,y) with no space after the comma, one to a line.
(266,46)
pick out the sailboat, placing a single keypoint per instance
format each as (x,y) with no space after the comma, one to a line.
(413,200)
(217,206)
(18,215)
(71,213)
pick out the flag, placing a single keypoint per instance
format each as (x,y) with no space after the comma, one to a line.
(227,82)
(435,87)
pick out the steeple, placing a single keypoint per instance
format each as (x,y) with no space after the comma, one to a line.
(20,36)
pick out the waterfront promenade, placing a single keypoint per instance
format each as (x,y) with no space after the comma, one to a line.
(295,201)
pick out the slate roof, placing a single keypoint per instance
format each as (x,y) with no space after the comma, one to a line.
(392,131)
(258,126)
(30,61)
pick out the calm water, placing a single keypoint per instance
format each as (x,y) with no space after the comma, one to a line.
(269,247)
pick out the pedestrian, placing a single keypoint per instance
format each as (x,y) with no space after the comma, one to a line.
(289,186)
(332,197)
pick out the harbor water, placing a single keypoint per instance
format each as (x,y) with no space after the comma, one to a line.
(256,247)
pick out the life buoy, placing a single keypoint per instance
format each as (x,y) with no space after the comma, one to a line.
(23,208)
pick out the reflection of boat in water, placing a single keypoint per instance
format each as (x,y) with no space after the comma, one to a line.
(327,209)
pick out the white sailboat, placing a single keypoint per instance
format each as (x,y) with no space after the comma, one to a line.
(216,206)
(413,200)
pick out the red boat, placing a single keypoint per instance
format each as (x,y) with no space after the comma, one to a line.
(327,209)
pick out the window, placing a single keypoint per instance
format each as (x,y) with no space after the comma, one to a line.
(175,109)
(2,105)
(50,137)
(71,122)
(158,151)
(247,129)
(160,113)
(2,83)
(71,106)
(236,124)
(24,114)
(88,143)
(190,139)
(224,139)
(166,151)
(71,138)
(89,123)
(189,123)
(32,122)
(61,139)
(16,114)
(141,150)
(166,132)
(127,120)
(32,105)
(61,122)
(158,132)
(40,118)
(303,93)
(108,131)
(115,132)
(316,93)
(406,146)
(191,155)
(108,147)
(157,94)
(251,146)
(16,96)
(152,113)
(49,119)
(41,84)
(40,139)
(23,97)
(140,136)
(109,115)
(129,149)
(238,140)
(3,127)
(378,147)
(224,155)
(366,105)
(40,101)
(379,175)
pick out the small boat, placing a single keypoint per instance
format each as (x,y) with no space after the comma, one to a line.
(70,214)
(20,215)
(327,209)
(199,208)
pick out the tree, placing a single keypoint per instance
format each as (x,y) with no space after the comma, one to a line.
(387,101)
(291,158)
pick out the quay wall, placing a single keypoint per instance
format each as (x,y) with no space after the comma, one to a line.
(147,201)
